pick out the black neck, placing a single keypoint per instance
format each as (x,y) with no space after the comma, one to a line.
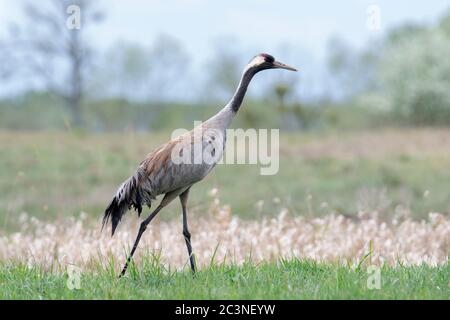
(238,96)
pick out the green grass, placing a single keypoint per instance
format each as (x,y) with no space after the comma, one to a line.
(60,174)
(288,279)
(57,174)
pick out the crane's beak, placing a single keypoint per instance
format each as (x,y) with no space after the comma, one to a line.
(280,65)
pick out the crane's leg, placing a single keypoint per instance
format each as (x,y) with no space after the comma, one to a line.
(187,235)
(164,202)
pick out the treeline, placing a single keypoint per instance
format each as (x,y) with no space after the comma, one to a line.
(407,73)
(42,111)
(402,78)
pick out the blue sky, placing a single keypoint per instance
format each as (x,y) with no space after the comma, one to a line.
(260,23)
(256,25)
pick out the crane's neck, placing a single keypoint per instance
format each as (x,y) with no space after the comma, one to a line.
(223,118)
(236,101)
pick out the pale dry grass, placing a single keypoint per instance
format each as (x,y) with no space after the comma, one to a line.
(380,144)
(372,144)
(333,238)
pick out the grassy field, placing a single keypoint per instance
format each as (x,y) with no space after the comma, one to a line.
(289,279)
(60,174)
(63,180)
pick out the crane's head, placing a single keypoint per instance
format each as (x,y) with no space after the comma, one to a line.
(265,61)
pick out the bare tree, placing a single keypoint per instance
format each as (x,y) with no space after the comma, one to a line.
(52,48)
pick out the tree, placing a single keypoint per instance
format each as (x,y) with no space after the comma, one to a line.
(123,72)
(155,72)
(169,63)
(52,47)
(444,24)
(224,68)
(415,76)
(352,71)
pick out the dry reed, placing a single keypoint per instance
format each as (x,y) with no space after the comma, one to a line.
(332,238)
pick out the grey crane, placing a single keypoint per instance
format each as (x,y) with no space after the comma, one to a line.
(160,174)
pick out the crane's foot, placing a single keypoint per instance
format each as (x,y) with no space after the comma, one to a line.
(193,265)
(124,270)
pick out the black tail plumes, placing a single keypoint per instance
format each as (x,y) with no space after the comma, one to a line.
(130,194)
(115,211)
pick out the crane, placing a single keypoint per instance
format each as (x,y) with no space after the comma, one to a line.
(160,174)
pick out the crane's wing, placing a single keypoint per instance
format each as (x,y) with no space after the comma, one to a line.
(183,161)
(178,163)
